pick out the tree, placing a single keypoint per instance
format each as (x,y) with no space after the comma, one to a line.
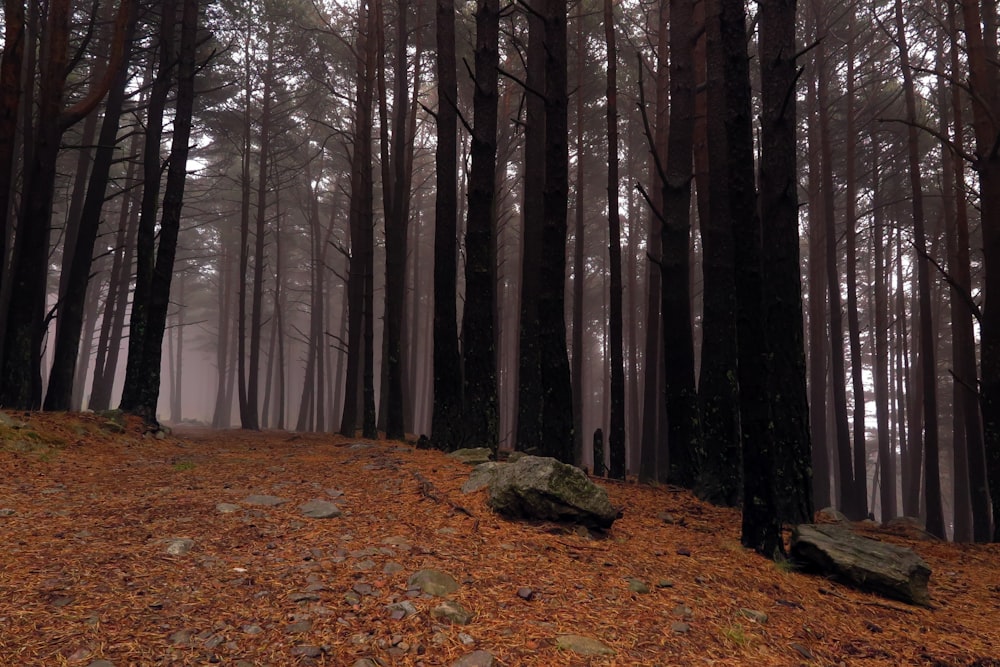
(149,307)
(447,361)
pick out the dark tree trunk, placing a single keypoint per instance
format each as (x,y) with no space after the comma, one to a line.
(142,376)
(447,410)
(683,437)
(932,475)
(779,209)
(73,297)
(10,100)
(478,343)
(578,362)
(530,402)
(616,434)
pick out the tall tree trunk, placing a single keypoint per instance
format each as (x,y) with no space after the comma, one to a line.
(779,210)
(616,434)
(177,372)
(478,343)
(73,295)
(578,362)
(530,402)
(142,376)
(10,100)
(678,344)
(932,476)
(446,413)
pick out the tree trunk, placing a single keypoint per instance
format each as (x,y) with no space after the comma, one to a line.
(10,100)
(142,376)
(932,476)
(579,361)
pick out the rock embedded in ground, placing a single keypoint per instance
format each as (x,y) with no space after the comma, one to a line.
(831,515)
(453,612)
(583,645)
(638,586)
(472,456)
(475,659)
(400,610)
(307,651)
(298,627)
(265,500)
(227,508)
(433,582)
(889,570)
(6,511)
(526,593)
(481,476)
(101,663)
(536,487)
(179,546)
(319,509)
(754,615)
(679,627)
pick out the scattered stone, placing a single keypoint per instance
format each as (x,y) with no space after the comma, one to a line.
(475,659)
(664,583)
(526,593)
(433,582)
(360,446)
(472,456)
(227,508)
(160,434)
(638,586)
(181,637)
(179,546)
(397,541)
(79,655)
(307,651)
(319,509)
(754,615)
(453,612)
(886,569)
(267,501)
(252,629)
(392,568)
(583,645)
(666,517)
(6,511)
(364,565)
(679,627)
(400,610)
(536,487)
(466,639)
(298,627)
(363,589)
(831,515)
(683,551)
(481,476)
(303,597)
(447,530)
(101,663)
(334,493)
(352,598)
(683,611)
(803,651)
(365,662)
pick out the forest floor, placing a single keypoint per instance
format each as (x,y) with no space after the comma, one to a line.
(94,570)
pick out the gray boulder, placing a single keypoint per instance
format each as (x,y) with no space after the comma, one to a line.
(536,487)
(481,476)
(886,569)
(472,456)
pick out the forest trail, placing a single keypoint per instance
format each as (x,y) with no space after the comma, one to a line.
(204,547)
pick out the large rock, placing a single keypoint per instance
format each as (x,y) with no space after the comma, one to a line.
(536,487)
(886,569)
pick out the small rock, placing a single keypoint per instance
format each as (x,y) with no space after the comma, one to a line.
(754,615)
(679,627)
(6,511)
(160,435)
(682,611)
(252,629)
(638,586)
(181,637)
(319,509)
(303,597)
(664,583)
(475,659)
(101,663)
(683,551)
(452,611)
(526,593)
(583,645)
(472,456)
(227,508)
(307,651)
(399,610)
(267,501)
(666,517)
(365,662)
(364,565)
(360,446)
(298,627)
(803,651)
(392,568)
(466,639)
(352,598)
(433,582)
(179,546)
(334,493)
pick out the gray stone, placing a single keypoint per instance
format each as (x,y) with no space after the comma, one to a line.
(181,637)
(179,546)
(298,627)
(307,651)
(6,511)
(536,487)
(319,509)
(754,615)
(453,612)
(475,659)
(583,645)
(886,569)
(392,568)
(5,420)
(401,609)
(831,515)
(101,663)
(433,582)
(679,627)
(638,586)
(227,508)
(267,501)
(365,662)
(481,476)
(472,456)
